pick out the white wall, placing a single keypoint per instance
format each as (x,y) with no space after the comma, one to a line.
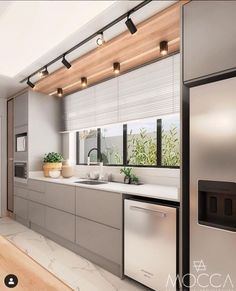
(3,158)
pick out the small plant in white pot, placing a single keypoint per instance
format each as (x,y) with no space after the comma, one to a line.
(52,162)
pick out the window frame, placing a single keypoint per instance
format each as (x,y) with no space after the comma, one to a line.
(125,151)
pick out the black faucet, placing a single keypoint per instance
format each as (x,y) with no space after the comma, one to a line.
(99,153)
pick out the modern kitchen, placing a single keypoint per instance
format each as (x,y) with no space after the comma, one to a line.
(117,145)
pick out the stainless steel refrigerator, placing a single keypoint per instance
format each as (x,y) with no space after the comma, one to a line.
(212,186)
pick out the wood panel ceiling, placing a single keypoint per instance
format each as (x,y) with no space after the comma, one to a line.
(129,50)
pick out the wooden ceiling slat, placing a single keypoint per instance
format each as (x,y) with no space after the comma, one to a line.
(130,50)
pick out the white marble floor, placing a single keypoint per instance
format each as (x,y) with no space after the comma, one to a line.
(74,270)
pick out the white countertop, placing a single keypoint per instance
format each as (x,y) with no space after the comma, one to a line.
(169,193)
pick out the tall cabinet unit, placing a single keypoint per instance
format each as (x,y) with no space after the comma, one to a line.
(37,118)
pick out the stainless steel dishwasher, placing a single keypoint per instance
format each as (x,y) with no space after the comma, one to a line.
(150,244)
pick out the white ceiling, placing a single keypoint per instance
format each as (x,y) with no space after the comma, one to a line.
(34,32)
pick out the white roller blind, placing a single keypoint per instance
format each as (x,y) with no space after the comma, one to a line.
(152,90)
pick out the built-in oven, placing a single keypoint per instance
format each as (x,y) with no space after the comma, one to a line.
(20,171)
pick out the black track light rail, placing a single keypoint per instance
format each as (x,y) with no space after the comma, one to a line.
(106,27)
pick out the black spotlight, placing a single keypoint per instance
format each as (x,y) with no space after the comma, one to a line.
(164,48)
(30,83)
(65,62)
(59,92)
(44,72)
(131,26)
(84,82)
(116,68)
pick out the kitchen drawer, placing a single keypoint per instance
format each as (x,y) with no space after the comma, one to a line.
(100,239)
(20,185)
(60,223)
(61,197)
(37,213)
(21,192)
(35,185)
(101,206)
(21,207)
(36,196)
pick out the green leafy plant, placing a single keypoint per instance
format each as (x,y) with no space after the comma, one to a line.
(142,148)
(170,147)
(128,174)
(53,158)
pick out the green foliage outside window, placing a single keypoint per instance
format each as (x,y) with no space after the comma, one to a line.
(170,147)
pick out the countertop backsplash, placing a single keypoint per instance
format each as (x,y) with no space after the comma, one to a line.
(160,176)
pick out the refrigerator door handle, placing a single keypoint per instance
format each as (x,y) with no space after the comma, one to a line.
(150,211)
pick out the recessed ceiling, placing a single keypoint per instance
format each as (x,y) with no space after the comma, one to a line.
(29,29)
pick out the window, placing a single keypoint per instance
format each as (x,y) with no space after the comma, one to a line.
(171,141)
(87,141)
(112,145)
(150,142)
(142,143)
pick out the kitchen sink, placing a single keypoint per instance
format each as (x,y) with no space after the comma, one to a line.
(91,182)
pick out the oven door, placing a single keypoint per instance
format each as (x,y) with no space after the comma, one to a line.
(20,172)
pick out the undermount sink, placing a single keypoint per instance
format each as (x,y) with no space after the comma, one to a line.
(91,182)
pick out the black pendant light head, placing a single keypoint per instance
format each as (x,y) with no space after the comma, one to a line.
(59,92)
(116,68)
(65,62)
(29,83)
(44,72)
(84,82)
(130,25)
(164,48)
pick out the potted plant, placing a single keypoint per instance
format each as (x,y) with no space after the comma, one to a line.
(129,178)
(52,161)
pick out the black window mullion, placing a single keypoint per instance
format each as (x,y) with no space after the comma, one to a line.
(99,144)
(159,142)
(77,148)
(125,162)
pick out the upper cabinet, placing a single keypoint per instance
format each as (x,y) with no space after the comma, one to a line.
(209,46)
(21,110)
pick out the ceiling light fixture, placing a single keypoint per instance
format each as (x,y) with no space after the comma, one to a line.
(44,72)
(116,68)
(164,48)
(100,40)
(59,92)
(84,82)
(29,83)
(65,62)
(131,26)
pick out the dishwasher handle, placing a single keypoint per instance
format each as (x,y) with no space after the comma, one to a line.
(150,211)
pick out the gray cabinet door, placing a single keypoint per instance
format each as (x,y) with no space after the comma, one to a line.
(36,196)
(60,223)
(21,207)
(37,213)
(101,206)
(99,239)
(21,192)
(21,110)
(61,197)
(209,33)
(35,185)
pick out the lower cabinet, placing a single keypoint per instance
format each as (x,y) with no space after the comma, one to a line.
(60,223)
(21,210)
(87,221)
(99,239)
(37,213)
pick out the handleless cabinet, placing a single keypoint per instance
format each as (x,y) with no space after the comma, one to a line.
(21,207)
(37,213)
(60,223)
(21,110)
(100,206)
(209,46)
(61,197)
